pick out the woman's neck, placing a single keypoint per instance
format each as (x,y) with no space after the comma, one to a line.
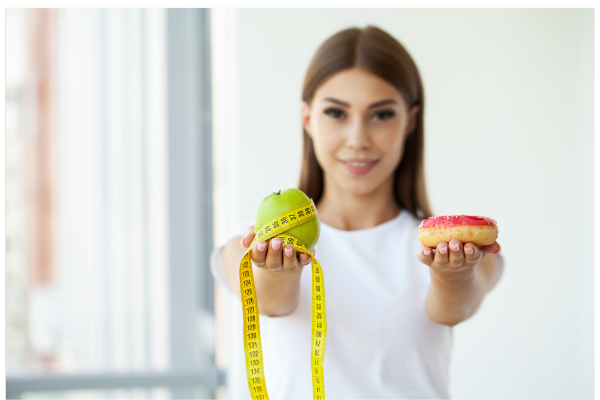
(349,212)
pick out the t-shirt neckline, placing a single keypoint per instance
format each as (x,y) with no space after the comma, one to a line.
(366,230)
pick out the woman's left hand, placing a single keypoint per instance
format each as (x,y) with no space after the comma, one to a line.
(454,256)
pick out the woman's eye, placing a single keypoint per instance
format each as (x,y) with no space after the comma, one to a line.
(383,115)
(335,113)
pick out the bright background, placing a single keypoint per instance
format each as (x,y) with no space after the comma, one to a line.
(508,134)
(108,204)
(129,137)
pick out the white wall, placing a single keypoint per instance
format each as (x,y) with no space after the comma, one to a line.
(509,104)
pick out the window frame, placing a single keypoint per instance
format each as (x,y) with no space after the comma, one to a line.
(190,224)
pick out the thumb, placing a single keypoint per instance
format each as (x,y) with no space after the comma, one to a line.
(248,237)
(491,248)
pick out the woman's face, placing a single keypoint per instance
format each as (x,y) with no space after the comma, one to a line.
(356,114)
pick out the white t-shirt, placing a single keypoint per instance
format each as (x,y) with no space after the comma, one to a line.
(380,342)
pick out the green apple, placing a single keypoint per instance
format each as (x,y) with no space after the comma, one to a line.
(278,202)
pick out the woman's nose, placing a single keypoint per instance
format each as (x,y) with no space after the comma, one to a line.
(358,136)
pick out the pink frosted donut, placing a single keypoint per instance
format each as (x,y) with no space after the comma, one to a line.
(481,231)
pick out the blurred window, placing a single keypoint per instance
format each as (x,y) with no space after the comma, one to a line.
(108,204)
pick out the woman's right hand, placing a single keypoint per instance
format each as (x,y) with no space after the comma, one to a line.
(275,258)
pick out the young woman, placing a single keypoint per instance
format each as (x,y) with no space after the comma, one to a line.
(391,303)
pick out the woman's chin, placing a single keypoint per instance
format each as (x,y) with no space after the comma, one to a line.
(359,188)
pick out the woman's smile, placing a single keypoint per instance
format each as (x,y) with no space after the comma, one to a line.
(359,166)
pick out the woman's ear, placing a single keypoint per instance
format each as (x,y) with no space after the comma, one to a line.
(306,118)
(412,122)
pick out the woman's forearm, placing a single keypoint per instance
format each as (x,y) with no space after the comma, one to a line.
(454,299)
(278,293)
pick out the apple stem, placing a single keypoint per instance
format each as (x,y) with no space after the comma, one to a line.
(277,193)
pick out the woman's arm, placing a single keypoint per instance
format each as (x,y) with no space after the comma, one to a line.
(277,291)
(461,276)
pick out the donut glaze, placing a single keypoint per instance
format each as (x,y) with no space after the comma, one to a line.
(480,231)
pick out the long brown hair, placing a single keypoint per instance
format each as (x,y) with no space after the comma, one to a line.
(375,51)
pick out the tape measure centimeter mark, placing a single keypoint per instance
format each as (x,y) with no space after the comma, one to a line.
(252,341)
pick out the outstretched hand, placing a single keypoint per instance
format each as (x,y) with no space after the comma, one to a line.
(273,257)
(454,256)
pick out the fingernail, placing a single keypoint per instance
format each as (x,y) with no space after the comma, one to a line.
(499,248)
(288,252)
(443,250)
(261,246)
(454,247)
(468,250)
(303,256)
(276,244)
(427,252)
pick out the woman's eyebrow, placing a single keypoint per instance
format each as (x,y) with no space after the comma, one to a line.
(336,101)
(383,103)
(376,104)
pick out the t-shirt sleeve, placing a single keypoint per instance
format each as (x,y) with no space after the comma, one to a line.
(217,266)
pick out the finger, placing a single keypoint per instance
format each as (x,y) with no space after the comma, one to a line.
(259,254)
(274,253)
(290,262)
(304,259)
(425,255)
(440,259)
(472,254)
(247,237)
(456,257)
(492,248)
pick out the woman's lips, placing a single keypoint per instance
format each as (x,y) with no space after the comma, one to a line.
(359,170)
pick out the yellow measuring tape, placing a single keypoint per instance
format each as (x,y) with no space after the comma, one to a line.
(276,227)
